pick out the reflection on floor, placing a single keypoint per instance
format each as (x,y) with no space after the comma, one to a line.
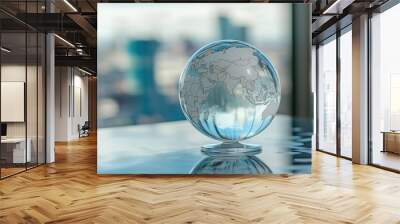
(346,152)
(386,159)
(10,171)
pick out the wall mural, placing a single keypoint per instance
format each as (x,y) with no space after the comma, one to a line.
(204,88)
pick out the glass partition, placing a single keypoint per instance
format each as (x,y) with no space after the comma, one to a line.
(14,153)
(31,99)
(35,87)
(23,89)
(41,107)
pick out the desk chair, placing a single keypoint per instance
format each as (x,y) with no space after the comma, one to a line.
(84,130)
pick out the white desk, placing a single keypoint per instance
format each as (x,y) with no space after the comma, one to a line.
(391,141)
(19,155)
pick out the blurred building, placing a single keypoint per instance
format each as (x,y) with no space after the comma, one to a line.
(229,30)
(147,104)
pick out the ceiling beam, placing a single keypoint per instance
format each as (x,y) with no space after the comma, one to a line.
(337,6)
(49,22)
(80,61)
(86,27)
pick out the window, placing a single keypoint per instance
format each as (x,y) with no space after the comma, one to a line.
(385,89)
(327,96)
(346,93)
(335,137)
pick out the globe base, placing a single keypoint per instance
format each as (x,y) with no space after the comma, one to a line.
(231,149)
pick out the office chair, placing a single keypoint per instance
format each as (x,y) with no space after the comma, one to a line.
(84,130)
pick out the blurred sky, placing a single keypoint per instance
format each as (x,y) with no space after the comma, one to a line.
(269,22)
(143,48)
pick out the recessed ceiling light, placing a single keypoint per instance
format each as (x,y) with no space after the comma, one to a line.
(64,40)
(70,5)
(84,71)
(5,50)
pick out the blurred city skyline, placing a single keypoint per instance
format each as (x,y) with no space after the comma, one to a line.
(141,56)
(145,21)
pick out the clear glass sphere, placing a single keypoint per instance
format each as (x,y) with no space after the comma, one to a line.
(229,90)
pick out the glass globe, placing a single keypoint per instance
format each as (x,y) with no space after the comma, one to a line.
(230,91)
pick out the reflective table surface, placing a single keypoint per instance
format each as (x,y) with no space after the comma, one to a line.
(175,148)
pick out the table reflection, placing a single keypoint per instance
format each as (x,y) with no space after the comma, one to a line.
(175,148)
(231,165)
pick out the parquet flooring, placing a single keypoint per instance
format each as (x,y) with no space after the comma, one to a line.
(70,191)
(10,171)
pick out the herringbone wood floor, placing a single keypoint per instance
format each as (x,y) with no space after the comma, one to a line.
(70,191)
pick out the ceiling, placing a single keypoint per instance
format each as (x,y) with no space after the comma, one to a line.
(75,22)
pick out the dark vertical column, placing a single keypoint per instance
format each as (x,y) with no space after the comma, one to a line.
(1,163)
(73,91)
(45,90)
(317,97)
(369,90)
(45,96)
(26,86)
(69,90)
(302,98)
(37,89)
(92,101)
(338,76)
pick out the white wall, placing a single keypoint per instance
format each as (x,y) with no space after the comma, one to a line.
(13,100)
(33,126)
(16,73)
(70,84)
(62,81)
(79,115)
